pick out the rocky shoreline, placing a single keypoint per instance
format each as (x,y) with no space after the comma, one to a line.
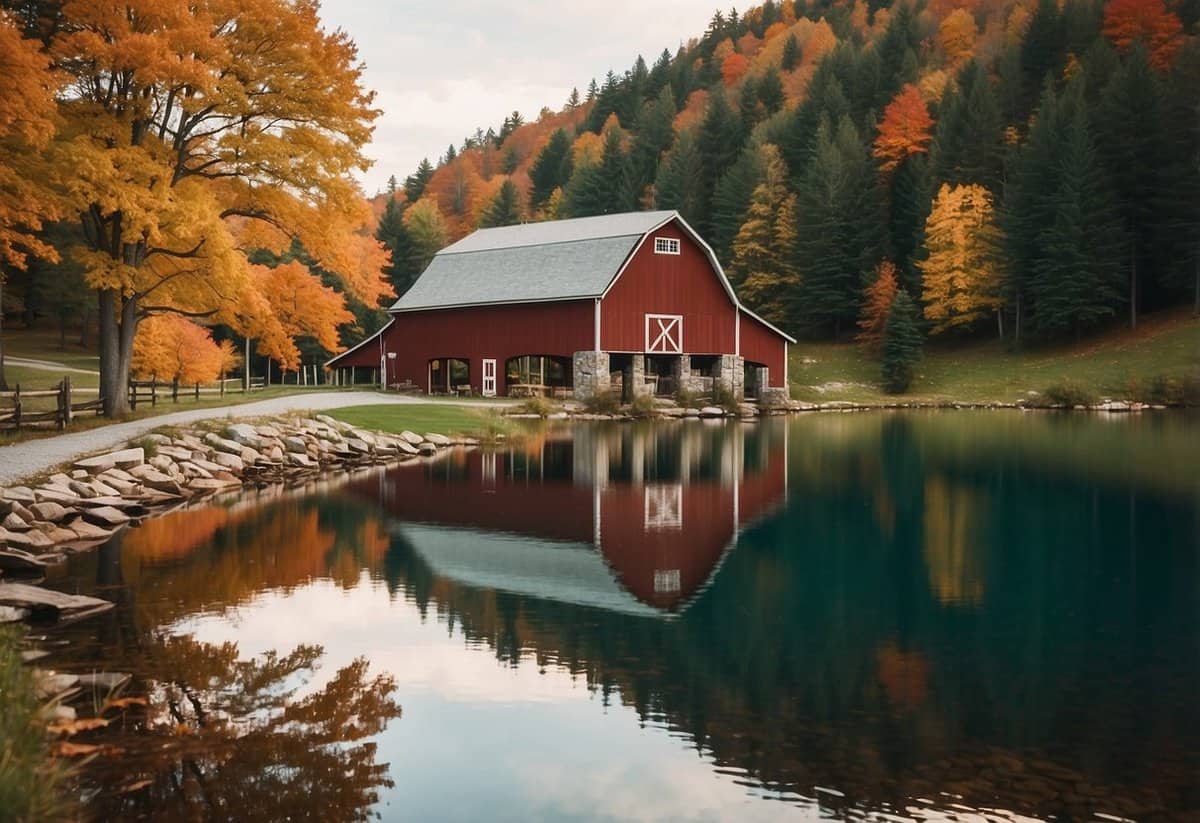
(79,508)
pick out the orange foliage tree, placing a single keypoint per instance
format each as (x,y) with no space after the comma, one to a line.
(1148,22)
(905,130)
(26,126)
(303,307)
(733,68)
(171,347)
(961,276)
(179,117)
(956,35)
(876,307)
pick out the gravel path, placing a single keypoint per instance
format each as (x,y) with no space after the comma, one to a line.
(46,365)
(21,460)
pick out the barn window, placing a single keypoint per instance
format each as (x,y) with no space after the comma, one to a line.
(666,245)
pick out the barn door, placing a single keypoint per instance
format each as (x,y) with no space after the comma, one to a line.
(664,333)
(489,378)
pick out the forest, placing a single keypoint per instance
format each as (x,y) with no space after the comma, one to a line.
(1028,170)
(180,177)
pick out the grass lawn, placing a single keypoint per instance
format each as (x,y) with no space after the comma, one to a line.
(442,418)
(43,344)
(1163,345)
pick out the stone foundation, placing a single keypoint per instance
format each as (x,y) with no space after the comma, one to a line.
(773,397)
(730,376)
(635,377)
(591,373)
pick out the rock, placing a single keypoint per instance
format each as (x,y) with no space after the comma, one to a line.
(117,474)
(406,448)
(161,462)
(9,614)
(427,448)
(157,439)
(32,539)
(59,713)
(60,480)
(48,684)
(268,431)
(20,494)
(232,462)
(22,596)
(121,487)
(133,508)
(15,561)
(102,489)
(712,411)
(211,484)
(275,454)
(88,532)
(358,445)
(105,516)
(123,459)
(297,445)
(691,412)
(81,489)
(152,478)
(250,456)
(176,453)
(14,522)
(223,445)
(191,471)
(439,440)
(302,460)
(244,434)
(51,494)
(59,534)
(50,512)
(412,439)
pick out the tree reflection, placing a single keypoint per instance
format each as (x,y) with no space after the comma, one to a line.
(252,739)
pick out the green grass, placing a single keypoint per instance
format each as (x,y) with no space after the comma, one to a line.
(30,781)
(45,379)
(1107,366)
(442,418)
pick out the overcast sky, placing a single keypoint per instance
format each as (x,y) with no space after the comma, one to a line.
(442,68)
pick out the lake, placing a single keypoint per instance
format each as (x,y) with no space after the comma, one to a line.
(850,616)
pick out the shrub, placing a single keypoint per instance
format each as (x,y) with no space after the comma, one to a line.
(690,399)
(602,402)
(30,781)
(643,407)
(1167,390)
(725,399)
(1069,393)
(537,405)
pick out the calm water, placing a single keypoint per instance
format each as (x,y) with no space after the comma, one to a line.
(849,616)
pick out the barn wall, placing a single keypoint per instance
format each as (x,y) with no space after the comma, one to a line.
(761,345)
(682,284)
(497,332)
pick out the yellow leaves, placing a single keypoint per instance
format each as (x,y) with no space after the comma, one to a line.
(956,35)
(302,306)
(170,347)
(961,277)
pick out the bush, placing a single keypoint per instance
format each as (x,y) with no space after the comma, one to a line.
(537,405)
(30,780)
(1167,390)
(690,399)
(725,399)
(602,402)
(643,407)
(1069,393)
(901,345)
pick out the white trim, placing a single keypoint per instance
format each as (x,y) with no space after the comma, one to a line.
(597,341)
(737,331)
(785,364)
(484,378)
(359,345)
(666,245)
(666,333)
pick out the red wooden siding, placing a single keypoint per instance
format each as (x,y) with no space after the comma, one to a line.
(761,345)
(683,284)
(493,332)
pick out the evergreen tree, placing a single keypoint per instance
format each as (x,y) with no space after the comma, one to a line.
(764,249)
(654,136)
(901,344)
(660,75)
(573,101)
(592,91)
(1077,270)
(731,198)
(427,233)
(678,183)
(1042,51)
(551,169)
(909,196)
(504,209)
(414,184)
(719,142)
(604,187)
(770,91)
(791,53)
(393,234)
(826,100)
(839,228)
(968,142)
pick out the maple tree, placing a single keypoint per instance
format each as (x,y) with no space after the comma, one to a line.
(1148,22)
(192,132)
(905,130)
(877,306)
(171,347)
(961,278)
(956,35)
(300,305)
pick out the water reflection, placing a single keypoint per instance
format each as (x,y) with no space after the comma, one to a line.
(904,613)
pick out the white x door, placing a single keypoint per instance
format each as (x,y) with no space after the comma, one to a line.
(489,378)
(664,333)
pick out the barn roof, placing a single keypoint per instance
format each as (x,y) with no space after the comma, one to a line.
(553,260)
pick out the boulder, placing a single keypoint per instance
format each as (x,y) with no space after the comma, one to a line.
(439,440)
(302,460)
(10,614)
(177,453)
(161,462)
(712,411)
(55,494)
(413,439)
(244,434)
(191,470)
(296,445)
(123,459)
(250,456)
(222,445)
(268,431)
(105,516)
(21,494)
(232,462)
(152,478)
(211,484)
(108,475)
(14,522)
(15,561)
(157,439)
(32,539)
(102,489)
(360,446)
(406,448)
(89,531)
(427,448)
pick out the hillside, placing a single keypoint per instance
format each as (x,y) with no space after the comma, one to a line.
(1016,167)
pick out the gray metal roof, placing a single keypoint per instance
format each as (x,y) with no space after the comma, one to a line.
(553,260)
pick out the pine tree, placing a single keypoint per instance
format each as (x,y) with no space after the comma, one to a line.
(573,101)
(961,283)
(764,250)
(968,142)
(654,136)
(551,169)
(678,183)
(770,91)
(901,345)
(731,198)
(393,234)
(414,184)
(504,209)
(877,307)
(839,228)
(1042,50)
(427,232)
(604,187)
(791,53)
(719,142)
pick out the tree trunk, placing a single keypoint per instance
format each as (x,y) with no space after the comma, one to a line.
(118,324)
(1195,307)
(1000,322)
(1133,285)
(3,382)
(83,330)
(1017,322)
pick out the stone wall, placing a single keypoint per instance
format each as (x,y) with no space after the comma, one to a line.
(773,398)
(591,373)
(635,376)
(730,375)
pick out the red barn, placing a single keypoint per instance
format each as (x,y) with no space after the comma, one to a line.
(635,303)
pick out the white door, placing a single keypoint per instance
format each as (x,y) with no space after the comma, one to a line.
(489,378)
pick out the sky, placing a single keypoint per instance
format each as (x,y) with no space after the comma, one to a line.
(441,69)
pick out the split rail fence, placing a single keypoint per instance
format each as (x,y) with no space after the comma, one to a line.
(32,409)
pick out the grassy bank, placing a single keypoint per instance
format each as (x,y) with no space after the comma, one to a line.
(442,418)
(1118,365)
(30,780)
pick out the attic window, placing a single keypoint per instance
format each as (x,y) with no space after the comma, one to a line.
(666,245)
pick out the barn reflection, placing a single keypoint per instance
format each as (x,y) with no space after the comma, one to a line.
(632,519)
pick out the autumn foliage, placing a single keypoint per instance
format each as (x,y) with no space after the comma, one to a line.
(905,130)
(961,274)
(877,307)
(1148,22)
(171,347)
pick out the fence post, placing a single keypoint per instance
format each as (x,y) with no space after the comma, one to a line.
(132,390)
(17,408)
(175,389)
(64,403)
(197,391)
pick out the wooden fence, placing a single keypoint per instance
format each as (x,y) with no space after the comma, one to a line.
(141,391)
(16,412)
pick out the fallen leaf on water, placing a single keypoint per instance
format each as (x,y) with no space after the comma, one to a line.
(133,787)
(71,727)
(66,749)
(124,702)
